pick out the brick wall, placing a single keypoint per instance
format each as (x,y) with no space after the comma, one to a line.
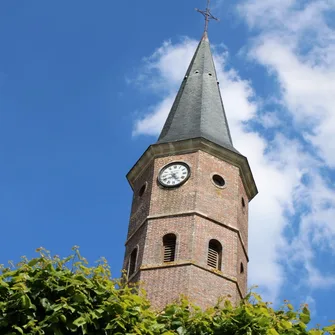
(195,212)
(141,204)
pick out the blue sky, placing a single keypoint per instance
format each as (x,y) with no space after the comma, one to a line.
(85,88)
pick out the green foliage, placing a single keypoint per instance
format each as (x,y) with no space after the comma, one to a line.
(54,296)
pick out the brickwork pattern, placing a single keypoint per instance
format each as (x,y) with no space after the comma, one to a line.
(188,280)
(138,240)
(196,212)
(174,280)
(141,204)
(242,215)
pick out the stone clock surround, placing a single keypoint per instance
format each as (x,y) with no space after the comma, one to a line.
(181,175)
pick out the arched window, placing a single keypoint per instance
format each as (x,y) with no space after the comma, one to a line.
(142,190)
(169,248)
(132,262)
(214,254)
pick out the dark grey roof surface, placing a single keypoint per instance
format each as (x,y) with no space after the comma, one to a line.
(198,109)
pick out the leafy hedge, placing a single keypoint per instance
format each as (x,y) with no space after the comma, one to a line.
(53,296)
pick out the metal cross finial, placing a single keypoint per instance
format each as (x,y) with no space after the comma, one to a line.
(207,14)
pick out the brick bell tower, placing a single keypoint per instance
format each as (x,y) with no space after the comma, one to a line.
(188,230)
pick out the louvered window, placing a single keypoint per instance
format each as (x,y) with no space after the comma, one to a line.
(132,262)
(169,248)
(214,254)
(213,258)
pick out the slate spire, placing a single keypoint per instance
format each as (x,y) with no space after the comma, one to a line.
(198,109)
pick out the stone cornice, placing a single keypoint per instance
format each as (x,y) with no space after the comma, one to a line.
(192,145)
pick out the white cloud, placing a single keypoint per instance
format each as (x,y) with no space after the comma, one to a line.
(286,16)
(296,44)
(152,123)
(307,92)
(162,72)
(270,120)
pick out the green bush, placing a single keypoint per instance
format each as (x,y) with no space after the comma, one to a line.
(53,296)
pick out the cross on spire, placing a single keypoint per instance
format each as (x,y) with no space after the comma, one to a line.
(207,14)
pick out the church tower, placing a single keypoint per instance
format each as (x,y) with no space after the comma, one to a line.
(188,230)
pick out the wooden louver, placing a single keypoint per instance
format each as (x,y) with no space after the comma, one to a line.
(169,242)
(213,257)
(214,254)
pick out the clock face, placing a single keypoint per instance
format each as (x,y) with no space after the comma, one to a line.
(174,174)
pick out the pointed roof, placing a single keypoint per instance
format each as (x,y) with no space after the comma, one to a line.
(198,109)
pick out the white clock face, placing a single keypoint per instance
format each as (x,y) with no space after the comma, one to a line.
(174,174)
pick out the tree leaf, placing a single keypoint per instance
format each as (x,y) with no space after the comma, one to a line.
(46,296)
(79,322)
(272,331)
(33,262)
(19,329)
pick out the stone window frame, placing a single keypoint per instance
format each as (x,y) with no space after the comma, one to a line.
(222,176)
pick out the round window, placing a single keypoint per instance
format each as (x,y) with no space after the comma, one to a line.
(218,181)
